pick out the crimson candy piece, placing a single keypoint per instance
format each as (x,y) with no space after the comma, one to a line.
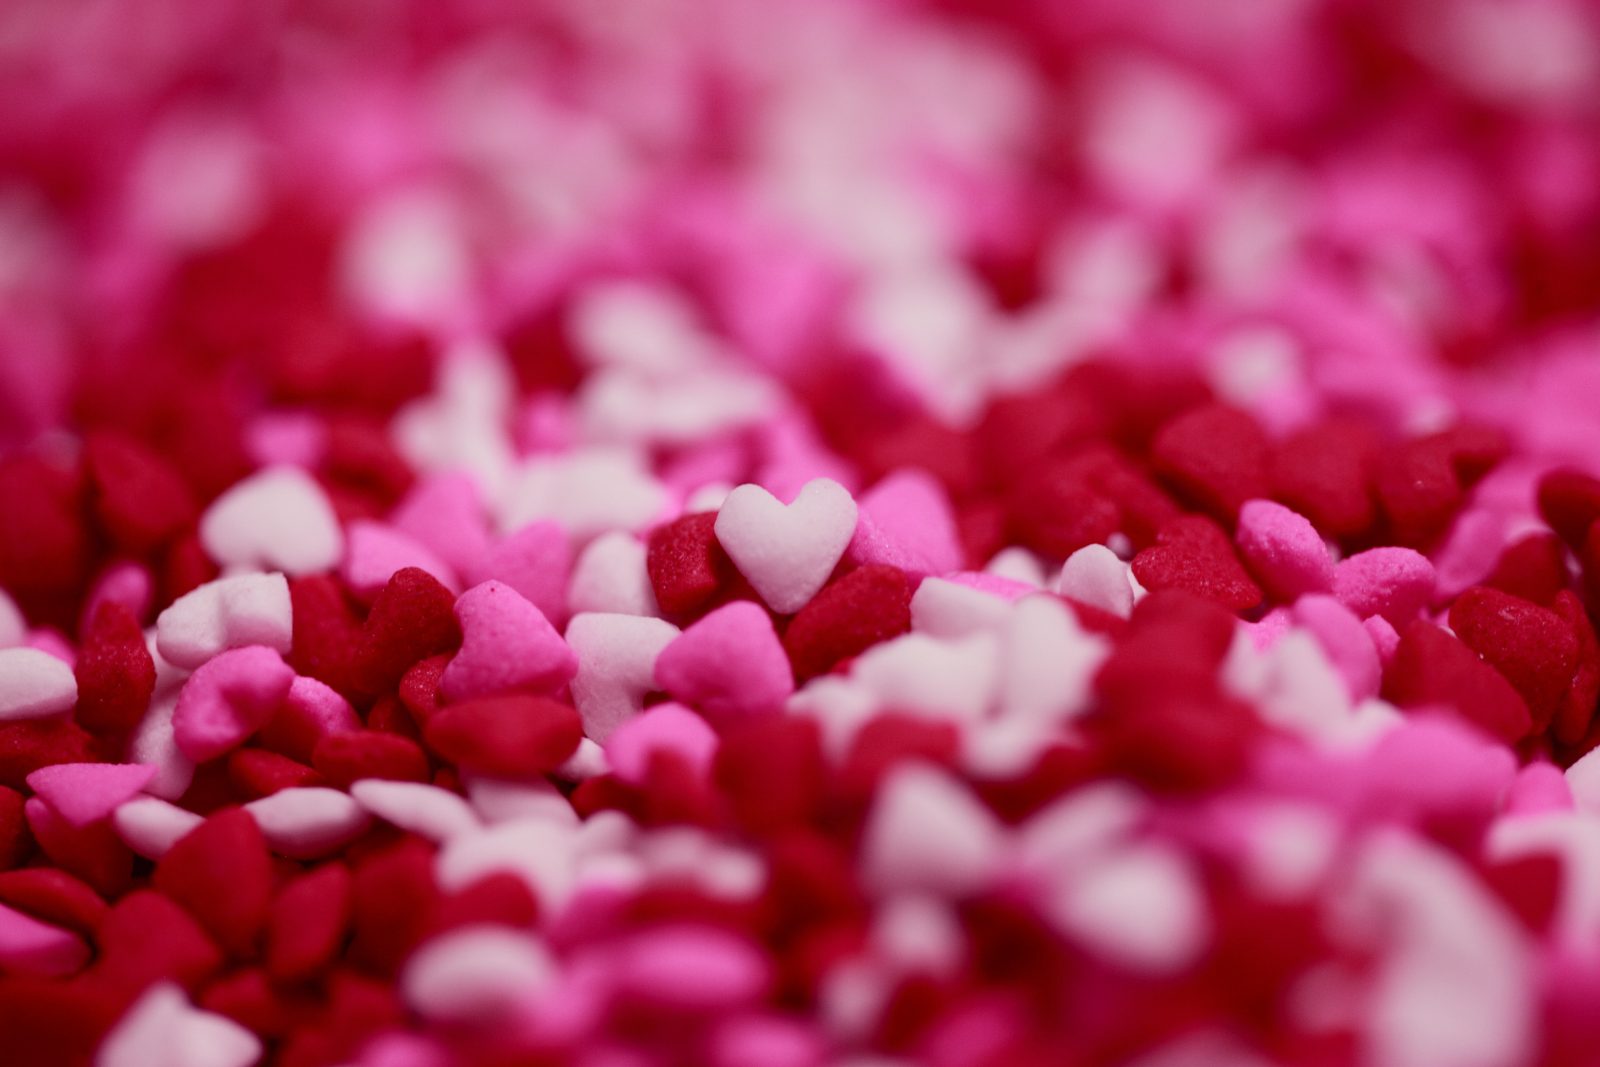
(1194,555)
(412,617)
(94,853)
(888,739)
(140,500)
(770,772)
(1418,492)
(249,999)
(53,896)
(50,1023)
(849,616)
(517,735)
(389,716)
(1569,500)
(1473,449)
(981,528)
(185,567)
(33,743)
(1533,567)
(1162,718)
(675,792)
(1432,667)
(499,898)
(360,459)
(343,758)
(1577,709)
(1215,457)
(1144,507)
(1326,472)
(327,636)
(393,903)
(44,547)
(1530,886)
(146,937)
(14,837)
(115,671)
(1026,429)
(1533,647)
(419,688)
(221,873)
(687,567)
(1053,510)
(308,922)
(257,772)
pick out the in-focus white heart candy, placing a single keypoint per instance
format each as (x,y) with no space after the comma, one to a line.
(1094,575)
(787,551)
(248,609)
(278,519)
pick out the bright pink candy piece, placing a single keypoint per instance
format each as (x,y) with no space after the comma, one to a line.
(228,699)
(373,553)
(445,516)
(28,946)
(536,561)
(905,521)
(507,644)
(730,664)
(693,968)
(1539,788)
(1283,550)
(664,728)
(84,793)
(1345,640)
(1393,582)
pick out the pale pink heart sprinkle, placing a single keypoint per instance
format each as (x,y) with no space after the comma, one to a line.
(928,833)
(53,643)
(375,551)
(507,644)
(665,728)
(616,666)
(422,809)
(127,583)
(730,664)
(1396,583)
(28,946)
(1539,788)
(84,793)
(1283,550)
(692,968)
(278,519)
(306,822)
(34,685)
(536,561)
(162,1027)
(477,973)
(1345,640)
(320,703)
(905,521)
(150,825)
(445,515)
(1385,638)
(228,699)
(1093,575)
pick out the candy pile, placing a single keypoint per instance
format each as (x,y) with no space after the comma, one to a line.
(696,533)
